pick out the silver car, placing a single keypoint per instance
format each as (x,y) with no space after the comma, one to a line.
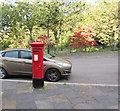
(19,62)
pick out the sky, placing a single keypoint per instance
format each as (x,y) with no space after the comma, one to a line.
(90,1)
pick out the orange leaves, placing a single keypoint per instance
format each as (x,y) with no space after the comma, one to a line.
(46,39)
(83,37)
(42,36)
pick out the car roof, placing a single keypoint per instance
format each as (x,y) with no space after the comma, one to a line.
(15,49)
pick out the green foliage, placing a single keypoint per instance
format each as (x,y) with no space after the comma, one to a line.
(91,49)
(23,22)
(104,19)
(53,20)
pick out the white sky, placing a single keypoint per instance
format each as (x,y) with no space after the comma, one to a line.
(90,1)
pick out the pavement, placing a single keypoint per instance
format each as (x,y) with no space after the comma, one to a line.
(21,95)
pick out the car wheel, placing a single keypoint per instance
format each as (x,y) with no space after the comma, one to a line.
(52,75)
(3,73)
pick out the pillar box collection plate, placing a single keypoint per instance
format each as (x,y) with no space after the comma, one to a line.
(37,64)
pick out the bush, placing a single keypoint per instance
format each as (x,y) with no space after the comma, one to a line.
(91,49)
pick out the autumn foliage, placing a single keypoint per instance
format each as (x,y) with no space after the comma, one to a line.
(45,39)
(83,38)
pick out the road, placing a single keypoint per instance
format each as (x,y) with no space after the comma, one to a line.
(97,68)
(94,68)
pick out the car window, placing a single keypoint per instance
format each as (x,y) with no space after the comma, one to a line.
(47,56)
(26,55)
(13,54)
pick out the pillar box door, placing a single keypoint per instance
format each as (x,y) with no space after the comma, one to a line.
(37,64)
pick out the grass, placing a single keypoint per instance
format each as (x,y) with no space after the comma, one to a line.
(65,83)
(87,50)
(44,87)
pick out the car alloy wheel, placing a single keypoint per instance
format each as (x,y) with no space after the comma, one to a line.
(52,75)
(3,73)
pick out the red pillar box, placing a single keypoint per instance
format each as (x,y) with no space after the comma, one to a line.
(37,64)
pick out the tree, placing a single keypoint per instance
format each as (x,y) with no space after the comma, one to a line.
(10,24)
(53,20)
(19,19)
(29,13)
(83,38)
(74,13)
(104,18)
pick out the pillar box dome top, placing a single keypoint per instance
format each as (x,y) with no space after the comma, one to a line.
(39,44)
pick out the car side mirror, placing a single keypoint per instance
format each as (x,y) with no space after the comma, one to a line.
(52,55)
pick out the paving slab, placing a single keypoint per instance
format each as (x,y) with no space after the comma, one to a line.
(58,96)
(44,104)
(64,105)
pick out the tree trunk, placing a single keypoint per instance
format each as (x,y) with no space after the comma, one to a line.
(0,46)
(57,41)
(115,44)
(115,40)
(31,39)
(57,48)
(48,45)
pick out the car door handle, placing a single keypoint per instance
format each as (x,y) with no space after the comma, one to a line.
(26,62)
(18,62)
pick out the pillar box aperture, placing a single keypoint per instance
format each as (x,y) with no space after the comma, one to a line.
(37,64)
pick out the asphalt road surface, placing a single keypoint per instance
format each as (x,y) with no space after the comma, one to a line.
(94,68)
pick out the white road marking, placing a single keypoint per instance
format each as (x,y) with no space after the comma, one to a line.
(12,80)
(84,84)
(62,83)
